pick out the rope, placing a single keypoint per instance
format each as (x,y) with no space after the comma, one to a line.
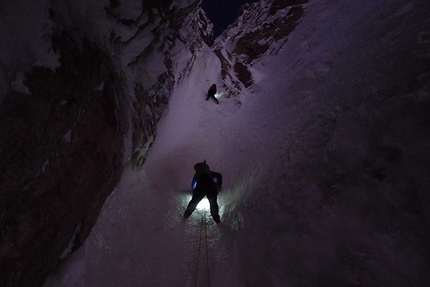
(198,255)
(207,253)
(203,223)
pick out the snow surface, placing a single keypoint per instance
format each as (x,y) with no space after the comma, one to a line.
(324,168)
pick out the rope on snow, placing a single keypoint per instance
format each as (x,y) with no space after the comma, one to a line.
(203,223)
(198,254)
(207,250)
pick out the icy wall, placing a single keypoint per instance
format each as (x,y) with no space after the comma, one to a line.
(82,87)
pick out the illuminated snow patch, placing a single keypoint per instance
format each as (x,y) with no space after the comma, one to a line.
(203,204)
(219,95)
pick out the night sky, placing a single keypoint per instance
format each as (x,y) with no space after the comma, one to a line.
(222,12)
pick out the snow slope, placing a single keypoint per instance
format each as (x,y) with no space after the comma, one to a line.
(324,166)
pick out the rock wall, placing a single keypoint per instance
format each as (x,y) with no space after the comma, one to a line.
(173,32)
(61,150)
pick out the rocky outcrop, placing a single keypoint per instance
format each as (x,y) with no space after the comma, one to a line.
(61,149)
(268,27)
(172,33)
(67,130)
(261,28)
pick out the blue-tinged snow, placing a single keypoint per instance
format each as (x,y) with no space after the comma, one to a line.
(325,168)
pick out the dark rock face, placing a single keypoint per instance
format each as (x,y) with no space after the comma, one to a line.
(61,151)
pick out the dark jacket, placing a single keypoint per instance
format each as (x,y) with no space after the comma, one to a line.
(212,90)
(211,94)
(207,183)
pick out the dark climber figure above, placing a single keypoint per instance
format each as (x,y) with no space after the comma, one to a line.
(211,94)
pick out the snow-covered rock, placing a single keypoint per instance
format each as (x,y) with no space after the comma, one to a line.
(262,28)
(157,56)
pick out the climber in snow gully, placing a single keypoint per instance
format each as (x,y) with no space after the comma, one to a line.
(205,183)
(211,94)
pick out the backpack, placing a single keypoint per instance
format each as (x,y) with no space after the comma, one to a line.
(212,90)
(203,177)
